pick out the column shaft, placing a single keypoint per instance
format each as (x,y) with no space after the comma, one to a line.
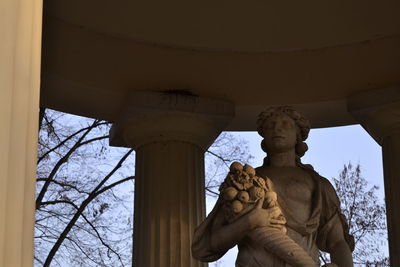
(391,165)
(170,133)
(169,203)
(378,112)
(20,31)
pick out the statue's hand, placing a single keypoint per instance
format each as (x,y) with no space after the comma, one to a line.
(260,217)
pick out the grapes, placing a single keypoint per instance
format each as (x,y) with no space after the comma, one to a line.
(250,170)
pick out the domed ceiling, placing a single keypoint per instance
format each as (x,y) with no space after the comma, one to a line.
(311,54)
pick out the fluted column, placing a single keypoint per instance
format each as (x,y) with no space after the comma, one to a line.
(170,134)
(379,113)
(169,203)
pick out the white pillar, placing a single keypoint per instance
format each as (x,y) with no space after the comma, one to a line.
(20,34)
(170,134)
(379,113)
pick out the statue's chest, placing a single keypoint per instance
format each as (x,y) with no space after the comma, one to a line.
(295,187)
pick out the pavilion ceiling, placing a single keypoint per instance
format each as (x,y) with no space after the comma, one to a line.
(253,53)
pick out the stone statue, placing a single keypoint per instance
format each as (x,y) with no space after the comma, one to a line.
(280,214)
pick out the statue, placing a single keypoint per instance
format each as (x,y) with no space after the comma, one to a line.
(279,214)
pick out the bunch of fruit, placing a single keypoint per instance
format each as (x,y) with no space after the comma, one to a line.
(242,189)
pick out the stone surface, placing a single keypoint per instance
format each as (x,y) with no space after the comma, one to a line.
(167,116)
(391,170)
(169,203)
(378,112)
(308,201)
(95,55)
(20,31)
(170,133)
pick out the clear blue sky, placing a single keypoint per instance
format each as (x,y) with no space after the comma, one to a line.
(329,150)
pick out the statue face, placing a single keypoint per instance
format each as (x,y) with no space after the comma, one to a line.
(280,133)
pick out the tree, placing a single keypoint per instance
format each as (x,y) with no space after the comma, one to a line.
(366,216)
(78,178)
(85,191)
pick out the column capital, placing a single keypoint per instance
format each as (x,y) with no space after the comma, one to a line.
(378,111)
(149,117)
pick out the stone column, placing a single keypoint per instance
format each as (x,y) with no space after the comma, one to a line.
(20,35)
(379,113)
(170,134)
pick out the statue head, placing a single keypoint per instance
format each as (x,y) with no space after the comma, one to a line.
(283,128)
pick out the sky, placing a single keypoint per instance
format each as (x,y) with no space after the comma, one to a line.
(329,150)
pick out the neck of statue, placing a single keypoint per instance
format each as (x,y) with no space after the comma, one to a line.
(282,159)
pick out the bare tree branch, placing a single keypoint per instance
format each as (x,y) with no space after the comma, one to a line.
(101,239)
(80,210)
(60,144)
(59,163)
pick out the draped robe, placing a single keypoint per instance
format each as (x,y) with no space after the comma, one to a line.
(312,234)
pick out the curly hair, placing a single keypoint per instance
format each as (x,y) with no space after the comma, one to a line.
(303,125)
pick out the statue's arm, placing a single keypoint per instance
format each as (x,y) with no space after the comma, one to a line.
(225,236)
(338,247)
(214,236)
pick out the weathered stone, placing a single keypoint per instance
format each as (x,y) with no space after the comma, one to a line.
(297,215)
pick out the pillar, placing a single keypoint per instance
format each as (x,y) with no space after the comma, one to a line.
(170,133)
(379,113)
(20,31)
